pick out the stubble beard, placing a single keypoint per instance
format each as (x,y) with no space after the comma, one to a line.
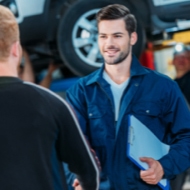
(122,56)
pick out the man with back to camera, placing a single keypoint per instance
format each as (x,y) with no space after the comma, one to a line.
(38,130)
(181,62)
(104,99)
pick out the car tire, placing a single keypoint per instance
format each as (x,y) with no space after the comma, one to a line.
(77,36)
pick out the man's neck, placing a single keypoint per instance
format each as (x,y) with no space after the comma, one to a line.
(119,72)
(6,69)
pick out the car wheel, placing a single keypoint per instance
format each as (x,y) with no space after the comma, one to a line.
(77,36)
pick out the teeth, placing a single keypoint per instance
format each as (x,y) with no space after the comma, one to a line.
(111,51)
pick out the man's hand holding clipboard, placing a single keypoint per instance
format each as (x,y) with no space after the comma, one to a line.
(154,173)
(144,149)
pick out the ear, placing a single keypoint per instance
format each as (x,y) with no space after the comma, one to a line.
(133,38)
(16,49)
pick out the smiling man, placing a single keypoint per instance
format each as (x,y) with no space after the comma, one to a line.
(104,99)
(115,46)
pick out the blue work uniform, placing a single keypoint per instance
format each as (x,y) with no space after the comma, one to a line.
(151,97)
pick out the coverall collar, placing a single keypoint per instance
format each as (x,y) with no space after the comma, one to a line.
(135,70)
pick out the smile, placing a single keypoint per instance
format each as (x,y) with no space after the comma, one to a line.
(111,52)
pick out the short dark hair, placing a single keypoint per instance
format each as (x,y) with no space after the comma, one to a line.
(117,11)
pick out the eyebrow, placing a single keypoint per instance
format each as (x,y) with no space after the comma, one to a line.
(111,34)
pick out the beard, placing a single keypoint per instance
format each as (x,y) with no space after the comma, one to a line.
(120,58)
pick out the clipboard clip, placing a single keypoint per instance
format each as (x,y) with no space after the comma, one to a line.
(131,135)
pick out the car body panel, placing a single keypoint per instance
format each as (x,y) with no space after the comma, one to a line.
(29,8)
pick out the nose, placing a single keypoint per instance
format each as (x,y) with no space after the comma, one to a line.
(109,41)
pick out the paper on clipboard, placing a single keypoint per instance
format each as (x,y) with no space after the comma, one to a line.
(143,143)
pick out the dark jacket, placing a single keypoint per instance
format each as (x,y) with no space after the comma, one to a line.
(184,85)
(38,131)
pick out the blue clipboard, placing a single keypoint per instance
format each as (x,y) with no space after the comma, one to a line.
(143,143)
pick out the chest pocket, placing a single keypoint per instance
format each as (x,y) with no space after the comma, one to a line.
(145,108)
(94,112)
(96,124)
(151,115)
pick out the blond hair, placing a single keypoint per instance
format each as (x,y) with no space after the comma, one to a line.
(9,31)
